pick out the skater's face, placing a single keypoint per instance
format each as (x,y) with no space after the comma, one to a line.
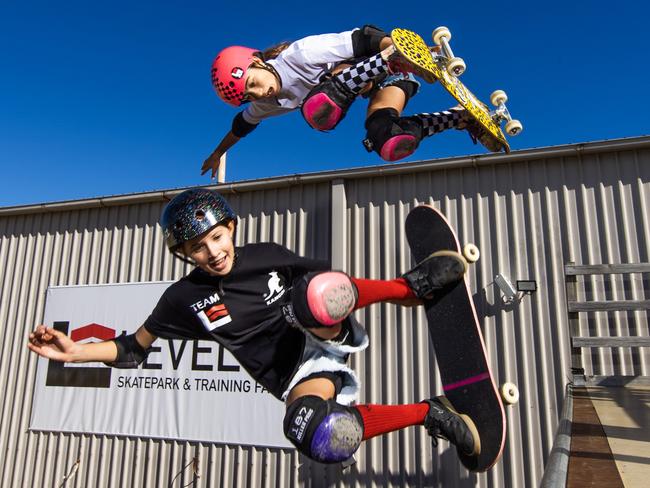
(260,82)
(214,251)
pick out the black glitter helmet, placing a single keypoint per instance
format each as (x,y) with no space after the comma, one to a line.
(191,213)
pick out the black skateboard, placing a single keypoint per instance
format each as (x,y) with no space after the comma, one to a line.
(458,342)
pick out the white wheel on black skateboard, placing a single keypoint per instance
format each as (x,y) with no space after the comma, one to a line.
(514,127)
(509,393)
(471,253)
(438,33)
(456,67)
(498,97)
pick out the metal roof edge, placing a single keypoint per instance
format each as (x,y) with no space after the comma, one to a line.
(567,150)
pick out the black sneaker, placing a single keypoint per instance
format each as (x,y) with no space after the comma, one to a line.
(443,422)
(440,269)
(476,131)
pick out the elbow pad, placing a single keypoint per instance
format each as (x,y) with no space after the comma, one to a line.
(129,352)
(365,41)
(241,128)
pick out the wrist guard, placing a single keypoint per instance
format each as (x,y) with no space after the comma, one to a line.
(240,128)
(129,352)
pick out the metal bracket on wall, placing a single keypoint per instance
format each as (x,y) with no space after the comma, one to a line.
(511,293)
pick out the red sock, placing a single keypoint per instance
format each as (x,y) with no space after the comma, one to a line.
(381,419)
(373,291)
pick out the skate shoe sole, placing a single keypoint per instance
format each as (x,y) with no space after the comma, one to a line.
(470,425)
(438,271)
(452,273)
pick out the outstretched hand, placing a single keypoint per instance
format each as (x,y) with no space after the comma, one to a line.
(212,163)
(52,344)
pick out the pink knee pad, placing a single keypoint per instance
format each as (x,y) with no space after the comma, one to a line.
(398,147)
(331,297)
(321,112)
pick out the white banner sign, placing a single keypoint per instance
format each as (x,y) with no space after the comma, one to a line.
(190,390)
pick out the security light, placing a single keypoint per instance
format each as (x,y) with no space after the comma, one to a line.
(526,286)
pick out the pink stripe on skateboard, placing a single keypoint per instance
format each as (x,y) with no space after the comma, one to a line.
(466,381)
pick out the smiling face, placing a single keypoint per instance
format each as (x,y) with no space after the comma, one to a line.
(213,251)
(260,82)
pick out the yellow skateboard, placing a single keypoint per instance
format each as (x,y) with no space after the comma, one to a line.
(440,64)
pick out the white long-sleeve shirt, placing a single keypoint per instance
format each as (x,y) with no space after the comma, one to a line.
(300,67)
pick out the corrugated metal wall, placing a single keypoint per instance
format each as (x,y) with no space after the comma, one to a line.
(529,214)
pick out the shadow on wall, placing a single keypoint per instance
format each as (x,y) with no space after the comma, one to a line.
(315,475)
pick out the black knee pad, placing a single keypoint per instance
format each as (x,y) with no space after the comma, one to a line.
(384,124)
(323,430)
(366,41)
(327,103)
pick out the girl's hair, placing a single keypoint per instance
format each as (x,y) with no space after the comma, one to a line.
(274,51)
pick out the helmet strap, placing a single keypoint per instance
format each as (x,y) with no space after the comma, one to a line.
(184,258)
(259,63)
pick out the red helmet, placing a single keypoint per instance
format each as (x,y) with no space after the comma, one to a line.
(229,73)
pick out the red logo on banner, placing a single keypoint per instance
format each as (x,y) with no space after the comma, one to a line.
(80,377)
(92,331)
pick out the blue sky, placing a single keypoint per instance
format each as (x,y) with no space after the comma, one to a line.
(104,98)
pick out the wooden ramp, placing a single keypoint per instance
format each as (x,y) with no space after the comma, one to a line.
(610,437)
(605,427)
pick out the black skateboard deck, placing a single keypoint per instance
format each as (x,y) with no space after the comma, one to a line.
(458,342)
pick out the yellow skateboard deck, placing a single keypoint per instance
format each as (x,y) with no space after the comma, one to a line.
(412,47)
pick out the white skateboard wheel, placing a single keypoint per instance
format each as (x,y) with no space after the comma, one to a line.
(509,393)
(439,33)
(498,97)
(456,67)
(514,127)
(471,253)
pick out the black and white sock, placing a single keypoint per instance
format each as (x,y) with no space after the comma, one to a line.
(358,76)
(436,122)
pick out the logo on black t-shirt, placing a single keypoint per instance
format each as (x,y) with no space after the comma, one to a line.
(212,312)
(276,288)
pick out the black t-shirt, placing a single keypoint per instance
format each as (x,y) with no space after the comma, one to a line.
(242,311)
